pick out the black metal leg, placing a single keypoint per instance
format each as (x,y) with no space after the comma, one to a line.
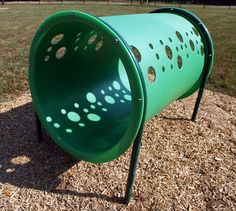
(200,92)
(39,128)
(133,166)
(197,104)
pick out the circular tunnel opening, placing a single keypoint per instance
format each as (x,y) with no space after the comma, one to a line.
(81,89)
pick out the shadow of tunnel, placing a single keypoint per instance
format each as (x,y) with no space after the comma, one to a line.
(26,163)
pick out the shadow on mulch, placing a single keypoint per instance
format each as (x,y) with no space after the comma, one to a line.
(45,161)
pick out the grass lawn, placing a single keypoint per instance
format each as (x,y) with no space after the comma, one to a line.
(18,24)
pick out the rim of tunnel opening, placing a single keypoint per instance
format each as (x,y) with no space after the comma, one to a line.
(131,68)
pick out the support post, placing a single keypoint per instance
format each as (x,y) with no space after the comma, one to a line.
(133,166)
(179,3)
(39,128)
(201,90)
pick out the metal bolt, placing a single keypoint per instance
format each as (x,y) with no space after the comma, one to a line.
(140,100)
(115,41)
(40,30)
(73,16)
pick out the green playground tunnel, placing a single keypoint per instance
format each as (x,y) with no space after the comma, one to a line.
(94,80)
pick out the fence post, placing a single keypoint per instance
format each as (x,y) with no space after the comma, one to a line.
(179,3)
(204,3)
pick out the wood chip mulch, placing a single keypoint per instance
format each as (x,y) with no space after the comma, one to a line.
(183,165)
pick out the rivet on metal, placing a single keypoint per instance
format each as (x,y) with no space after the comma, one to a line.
(73,16)
(115,41)
(40,30)
(140,100)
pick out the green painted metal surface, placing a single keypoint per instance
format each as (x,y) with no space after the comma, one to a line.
(93,79)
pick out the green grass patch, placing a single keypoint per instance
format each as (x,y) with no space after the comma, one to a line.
(19,23)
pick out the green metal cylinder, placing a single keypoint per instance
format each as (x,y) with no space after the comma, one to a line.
(94,81)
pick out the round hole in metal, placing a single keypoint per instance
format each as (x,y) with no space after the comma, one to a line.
(78,34)
(46,58)
(179,36)
(98,45)
(195,31)
(61,52)
(150,45)
(151,74)
(202,50)
(49,49)
(56,39)
(92,39)
(191,45)
(77,39)
(76,48)
(168,52)
(136,53)
(179,62)
(163,69)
